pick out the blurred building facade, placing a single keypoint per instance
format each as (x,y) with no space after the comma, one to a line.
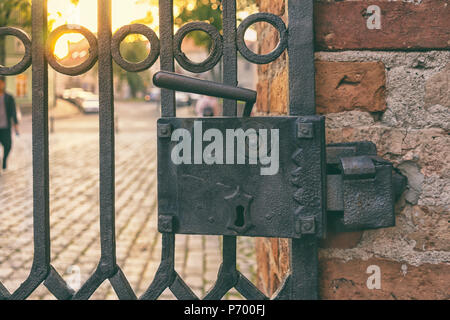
(20,86)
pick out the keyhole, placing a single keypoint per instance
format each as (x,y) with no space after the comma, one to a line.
(240,219)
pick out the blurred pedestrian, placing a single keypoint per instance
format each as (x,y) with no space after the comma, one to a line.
(8,121)
(207,107)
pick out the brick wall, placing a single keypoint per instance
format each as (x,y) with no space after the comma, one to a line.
(398,98)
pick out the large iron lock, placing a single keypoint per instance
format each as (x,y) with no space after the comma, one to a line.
(288,196)
(273,197)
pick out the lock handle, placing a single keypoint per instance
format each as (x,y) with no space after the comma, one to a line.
(177,82)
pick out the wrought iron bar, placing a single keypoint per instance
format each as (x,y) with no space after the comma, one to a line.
(301,58)
(229,54)
(41,211)
(107,267)
(167,57)
(303,281)
(107,140)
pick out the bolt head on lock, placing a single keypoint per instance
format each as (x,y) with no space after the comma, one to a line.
(164,130)
(306,225)
(305,130)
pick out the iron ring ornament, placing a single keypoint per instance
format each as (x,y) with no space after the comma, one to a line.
(121,34)
(25,63)
(215,53)
(277,23)
(81,68)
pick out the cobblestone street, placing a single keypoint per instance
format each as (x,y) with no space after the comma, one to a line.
(74,219)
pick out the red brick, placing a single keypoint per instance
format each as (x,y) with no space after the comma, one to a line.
(262,103)
(343,25)
(342,240)
(279,93)
(275,243)
(345,86)
(348,280)
(274,281)
(262,260)
(284,257)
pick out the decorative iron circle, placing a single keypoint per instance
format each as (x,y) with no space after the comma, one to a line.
(81,68)
(121,34)
(216,49)
(277,23)
(26,60)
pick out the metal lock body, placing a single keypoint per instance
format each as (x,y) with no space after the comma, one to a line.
(239,196)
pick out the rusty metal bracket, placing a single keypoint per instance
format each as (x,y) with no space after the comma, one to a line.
(361,188)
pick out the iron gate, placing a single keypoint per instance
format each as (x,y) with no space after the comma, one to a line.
(348,166)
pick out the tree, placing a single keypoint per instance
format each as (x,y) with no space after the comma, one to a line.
(210,11)
(16,13)
(133,51)
(199,10)
(13,13)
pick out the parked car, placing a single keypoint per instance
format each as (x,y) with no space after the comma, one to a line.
(90,104)
(183,99)
(72,93)
(82,96)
